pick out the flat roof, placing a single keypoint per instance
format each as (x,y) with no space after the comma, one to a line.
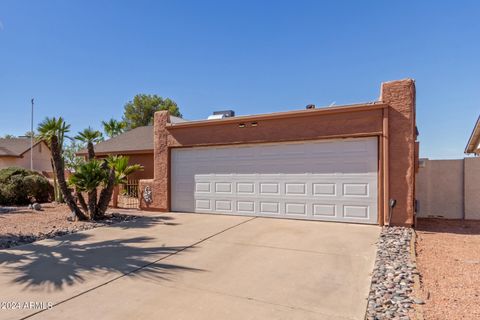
(280,115)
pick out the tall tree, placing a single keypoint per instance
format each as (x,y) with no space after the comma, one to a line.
(89,137)
(49,129)
(89,176)
(53,131)
(113,127)
(140,111)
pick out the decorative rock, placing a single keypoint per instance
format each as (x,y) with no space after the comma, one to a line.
(36,206)
(392,278)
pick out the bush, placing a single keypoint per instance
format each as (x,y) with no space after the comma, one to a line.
(20,186)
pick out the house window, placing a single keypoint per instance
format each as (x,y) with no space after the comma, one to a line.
(40,148)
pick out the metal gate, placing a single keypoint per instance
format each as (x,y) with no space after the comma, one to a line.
(128,195)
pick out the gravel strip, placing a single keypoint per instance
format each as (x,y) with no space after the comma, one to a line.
(393,277)
(20,225)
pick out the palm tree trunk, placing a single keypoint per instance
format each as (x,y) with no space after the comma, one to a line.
(106,195)
(81,200)
(59,170)
(92,203)
(91,151)
(55,185)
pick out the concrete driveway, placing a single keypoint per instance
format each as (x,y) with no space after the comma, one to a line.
(194,266)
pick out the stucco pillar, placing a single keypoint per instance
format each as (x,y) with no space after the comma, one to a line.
(400,96)
(159,184)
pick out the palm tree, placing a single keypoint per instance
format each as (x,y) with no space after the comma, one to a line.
(122,168)
(46,129)
(90,136)
(52,131)
(89,176)
(113,127)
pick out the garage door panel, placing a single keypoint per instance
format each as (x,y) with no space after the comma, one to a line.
(310,180)
(324,210)
(356,211)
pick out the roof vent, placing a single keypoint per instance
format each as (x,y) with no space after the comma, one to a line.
(310,106)
(222,114)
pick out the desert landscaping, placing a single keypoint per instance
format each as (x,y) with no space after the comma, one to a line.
(22,225)
(448,259)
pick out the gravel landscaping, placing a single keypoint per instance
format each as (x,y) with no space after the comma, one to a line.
(393,277)
(448,258)
(21,225)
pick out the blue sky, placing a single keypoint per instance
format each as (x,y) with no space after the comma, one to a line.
(84,60)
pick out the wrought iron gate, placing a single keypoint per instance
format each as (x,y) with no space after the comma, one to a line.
(128,195)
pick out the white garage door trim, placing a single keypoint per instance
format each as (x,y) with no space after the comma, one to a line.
(332,180)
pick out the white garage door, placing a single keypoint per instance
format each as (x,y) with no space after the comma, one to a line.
(318,180)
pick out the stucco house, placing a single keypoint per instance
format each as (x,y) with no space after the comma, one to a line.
(137,144)
(343,163)
(15,152)
(473,145)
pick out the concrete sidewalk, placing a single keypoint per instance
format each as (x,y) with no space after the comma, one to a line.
(195,266)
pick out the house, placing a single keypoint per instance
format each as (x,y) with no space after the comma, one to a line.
(15,152)
(137,144)
(343,163)
(473,145)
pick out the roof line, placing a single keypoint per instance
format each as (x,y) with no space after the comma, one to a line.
(280,115)
(106,153)
(475,132)
(39,141)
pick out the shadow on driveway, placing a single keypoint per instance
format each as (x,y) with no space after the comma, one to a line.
(45,265)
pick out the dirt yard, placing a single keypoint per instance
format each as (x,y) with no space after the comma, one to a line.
(24,225)
(448,258)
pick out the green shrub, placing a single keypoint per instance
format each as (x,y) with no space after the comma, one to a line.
(20,186)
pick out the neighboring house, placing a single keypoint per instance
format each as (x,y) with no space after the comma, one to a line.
(473,145)
(15,152)
(341,163)
(137,144)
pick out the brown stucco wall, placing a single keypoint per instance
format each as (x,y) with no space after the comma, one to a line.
(397,112)
(311,126)
(400,96)
(144,159)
